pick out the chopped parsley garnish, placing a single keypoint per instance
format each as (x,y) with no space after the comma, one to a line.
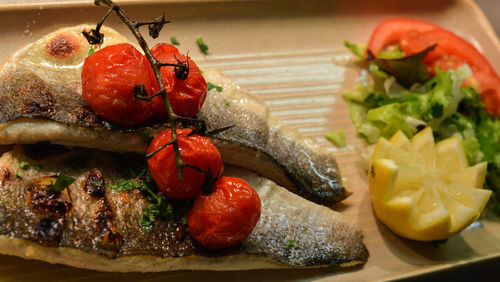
(174,41)
(304,229)
(23,165)
(126,185)
(227,103)
(210,86)
(91,50)
(38,167)
(19,176)
(337,138)
(290,243)
(159,208)
(201,44)
(96,184)
(62,181)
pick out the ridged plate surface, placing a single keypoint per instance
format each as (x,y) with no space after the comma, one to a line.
(290,54)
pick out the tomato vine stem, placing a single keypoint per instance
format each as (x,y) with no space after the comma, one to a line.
(155,64)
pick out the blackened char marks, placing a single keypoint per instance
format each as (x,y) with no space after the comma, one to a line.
(62,45)
(94,186)
(52,207)
(45,202)
(103,220)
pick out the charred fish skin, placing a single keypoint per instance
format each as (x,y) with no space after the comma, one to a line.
(40,99)
(105,222)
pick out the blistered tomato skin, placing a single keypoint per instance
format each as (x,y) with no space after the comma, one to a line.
(163,52)
(195,150)
(226,217)
(108,79)
(186,96)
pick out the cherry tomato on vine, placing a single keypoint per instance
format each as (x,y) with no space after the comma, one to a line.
(187,95)
(163,52)
(227,216)
(195,150)
(108,79)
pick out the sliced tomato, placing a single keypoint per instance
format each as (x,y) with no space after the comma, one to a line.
(413,36)
(450,47)
(489,87)
(452,52)
(391,31)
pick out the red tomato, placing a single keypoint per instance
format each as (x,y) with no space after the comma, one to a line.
(489,87)
(227,216)
(108,79)
(186,96)
(165,53)
(449,47)
(195,150)
(451,52)
(391,31)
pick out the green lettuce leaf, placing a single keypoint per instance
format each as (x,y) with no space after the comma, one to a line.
(387,103)
(407,70)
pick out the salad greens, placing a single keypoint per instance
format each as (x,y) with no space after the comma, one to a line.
(336,137)
(397,99)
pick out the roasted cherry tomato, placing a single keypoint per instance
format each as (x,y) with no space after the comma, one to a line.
(195,150)
(108,79)
(165,53)
(451,52)
(186,95)
(227,216)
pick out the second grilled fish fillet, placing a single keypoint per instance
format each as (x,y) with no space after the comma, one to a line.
(99,229)
(40,99)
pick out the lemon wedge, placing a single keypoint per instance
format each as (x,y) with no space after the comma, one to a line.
(425,191)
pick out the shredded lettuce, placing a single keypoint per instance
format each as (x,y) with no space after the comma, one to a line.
(394,107)
(336,137)
(384,106)
(358,50)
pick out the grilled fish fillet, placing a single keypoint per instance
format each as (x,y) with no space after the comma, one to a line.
(40,99)
(99,228)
